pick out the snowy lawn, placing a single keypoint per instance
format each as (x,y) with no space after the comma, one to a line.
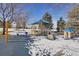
(59,47)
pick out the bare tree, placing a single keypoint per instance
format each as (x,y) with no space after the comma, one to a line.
(7,10)
(21,20)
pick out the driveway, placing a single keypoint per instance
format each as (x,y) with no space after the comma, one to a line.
(16,46)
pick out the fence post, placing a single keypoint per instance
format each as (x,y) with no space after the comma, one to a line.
(6,33)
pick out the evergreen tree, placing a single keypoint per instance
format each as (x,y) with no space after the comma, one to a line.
(60,24)
(47,17)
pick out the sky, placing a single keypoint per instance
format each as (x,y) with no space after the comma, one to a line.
(56,10)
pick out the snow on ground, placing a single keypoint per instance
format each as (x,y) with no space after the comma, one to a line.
(17,32)
(59,47)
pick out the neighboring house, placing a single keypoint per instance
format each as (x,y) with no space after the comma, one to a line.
(13,24)
(28,26)
(39,26)
(36,25)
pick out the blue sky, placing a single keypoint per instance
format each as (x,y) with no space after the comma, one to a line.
(37,10)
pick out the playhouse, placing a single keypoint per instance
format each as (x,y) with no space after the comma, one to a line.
(68,32)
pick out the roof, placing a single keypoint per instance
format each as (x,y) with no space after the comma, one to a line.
(45,21)
(38,22)
(69,29)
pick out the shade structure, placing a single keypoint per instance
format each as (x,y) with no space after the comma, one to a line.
(68,29)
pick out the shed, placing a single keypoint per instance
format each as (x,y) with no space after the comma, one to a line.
(68,32)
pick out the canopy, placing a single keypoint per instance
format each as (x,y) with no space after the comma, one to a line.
(69,29)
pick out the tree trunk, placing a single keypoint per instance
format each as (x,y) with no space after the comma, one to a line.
(3,27)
